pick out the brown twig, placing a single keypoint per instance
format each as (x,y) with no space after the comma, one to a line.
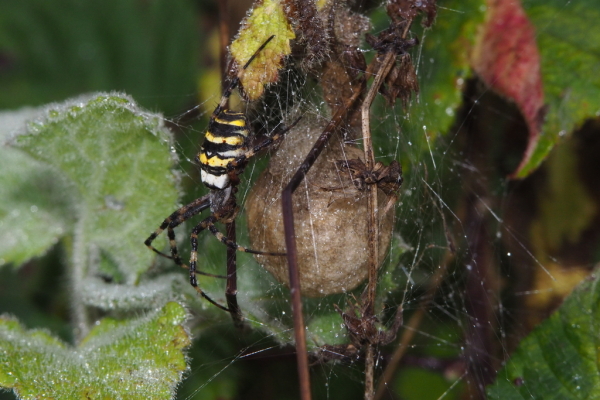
(373,234)
(373,213)
(372,209)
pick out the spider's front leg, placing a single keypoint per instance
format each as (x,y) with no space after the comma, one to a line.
(175,219)
(171,222)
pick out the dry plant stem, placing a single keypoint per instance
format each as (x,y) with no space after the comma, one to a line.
(373,234)
(479,305)
(369,371)
(373,212)
(290,241)
(410,329)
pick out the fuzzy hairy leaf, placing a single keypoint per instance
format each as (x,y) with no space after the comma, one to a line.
(133,359)
(32,198)
(117,159)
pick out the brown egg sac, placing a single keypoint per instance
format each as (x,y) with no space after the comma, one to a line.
(330,216)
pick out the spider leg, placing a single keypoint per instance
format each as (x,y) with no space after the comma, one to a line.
(194,258)
(209,223)
(231,288)
(233,245)
(269,141)
(171,222)
(276,138)
(174,220)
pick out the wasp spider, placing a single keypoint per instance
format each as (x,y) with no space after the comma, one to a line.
(228,145)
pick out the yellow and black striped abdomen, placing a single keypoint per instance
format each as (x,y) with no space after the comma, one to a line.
(225,140)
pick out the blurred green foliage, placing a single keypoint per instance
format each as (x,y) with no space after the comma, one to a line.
(53,50)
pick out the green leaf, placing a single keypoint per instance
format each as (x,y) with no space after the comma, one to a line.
(32,198)
(559,359)
(567,39)
(141,358)
(117,159)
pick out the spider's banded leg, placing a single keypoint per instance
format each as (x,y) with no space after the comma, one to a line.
(175,219)
(194,259)
(231,287)
(173,246)
(171,222)
(177,259)
(233,245)
(277,137)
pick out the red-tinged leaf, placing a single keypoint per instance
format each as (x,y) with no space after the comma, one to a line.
(506,57)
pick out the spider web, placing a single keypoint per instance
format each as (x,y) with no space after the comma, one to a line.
(462,265)
(457,232)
